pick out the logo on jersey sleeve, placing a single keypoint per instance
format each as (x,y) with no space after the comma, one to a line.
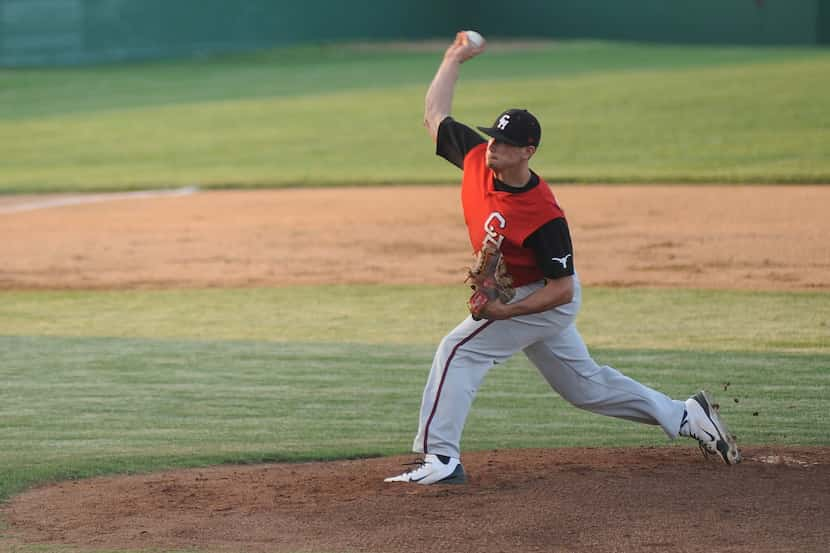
(495,222)
(562,260)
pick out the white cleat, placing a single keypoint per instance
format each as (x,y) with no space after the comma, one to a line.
(703,423)
(432,470)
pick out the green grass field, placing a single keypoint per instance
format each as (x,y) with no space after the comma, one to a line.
(335,115)
(103,382)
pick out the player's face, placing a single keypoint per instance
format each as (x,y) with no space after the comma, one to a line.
(501,155)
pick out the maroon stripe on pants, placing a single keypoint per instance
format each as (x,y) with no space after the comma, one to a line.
(444,377)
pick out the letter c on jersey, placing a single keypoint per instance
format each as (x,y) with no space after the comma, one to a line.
(493,236)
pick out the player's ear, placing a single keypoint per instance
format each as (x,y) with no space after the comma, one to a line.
(530,150)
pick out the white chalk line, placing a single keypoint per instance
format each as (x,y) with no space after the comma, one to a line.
(96,198)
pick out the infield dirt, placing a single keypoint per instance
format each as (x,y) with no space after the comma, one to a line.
(567,500)
(759,238)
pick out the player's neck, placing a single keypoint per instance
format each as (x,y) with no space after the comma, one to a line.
(515,177)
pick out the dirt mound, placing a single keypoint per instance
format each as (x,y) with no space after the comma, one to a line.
(646,499)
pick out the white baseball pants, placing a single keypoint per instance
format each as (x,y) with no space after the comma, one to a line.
(552,343)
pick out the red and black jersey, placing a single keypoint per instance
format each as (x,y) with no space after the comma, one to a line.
(526,223)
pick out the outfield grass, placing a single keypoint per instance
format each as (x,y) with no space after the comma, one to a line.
(315,116)
(100,382)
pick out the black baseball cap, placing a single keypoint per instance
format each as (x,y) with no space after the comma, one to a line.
(517,127)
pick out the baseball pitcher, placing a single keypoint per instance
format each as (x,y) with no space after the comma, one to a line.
(526,294)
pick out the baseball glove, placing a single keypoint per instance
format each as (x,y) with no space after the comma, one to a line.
(489,280)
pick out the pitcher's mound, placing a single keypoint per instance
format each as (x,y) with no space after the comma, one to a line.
(642,499)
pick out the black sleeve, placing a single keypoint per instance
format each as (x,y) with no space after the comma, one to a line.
(552,245)
(455,140)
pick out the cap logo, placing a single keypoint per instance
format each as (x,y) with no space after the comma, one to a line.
(504,120)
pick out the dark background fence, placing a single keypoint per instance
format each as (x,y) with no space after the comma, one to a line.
(59,32)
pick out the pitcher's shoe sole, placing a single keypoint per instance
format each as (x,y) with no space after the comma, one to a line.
(721,442)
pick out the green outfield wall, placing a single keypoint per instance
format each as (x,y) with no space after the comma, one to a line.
(36,32)
(824,22)
(59,32)
(764,22)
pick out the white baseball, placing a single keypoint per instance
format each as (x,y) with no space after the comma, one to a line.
(475,38)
